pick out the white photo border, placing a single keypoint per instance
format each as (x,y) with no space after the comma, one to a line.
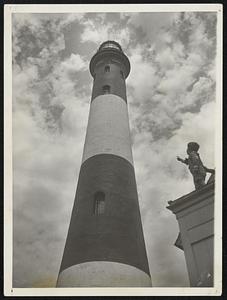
(8,195)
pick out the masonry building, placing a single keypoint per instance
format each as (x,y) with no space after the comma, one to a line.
(105,242)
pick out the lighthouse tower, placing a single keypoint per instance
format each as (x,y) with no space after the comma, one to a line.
(105,243)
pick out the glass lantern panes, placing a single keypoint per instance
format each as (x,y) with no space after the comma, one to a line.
(111,45)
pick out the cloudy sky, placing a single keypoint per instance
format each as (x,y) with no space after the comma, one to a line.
(171,101)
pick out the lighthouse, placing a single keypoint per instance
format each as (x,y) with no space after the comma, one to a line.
(105,244)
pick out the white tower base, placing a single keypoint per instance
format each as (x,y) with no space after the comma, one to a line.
(103,274)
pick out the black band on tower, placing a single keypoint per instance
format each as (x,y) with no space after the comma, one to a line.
(109,68)
(110,230)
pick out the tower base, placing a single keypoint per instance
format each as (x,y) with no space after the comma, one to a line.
(103,274)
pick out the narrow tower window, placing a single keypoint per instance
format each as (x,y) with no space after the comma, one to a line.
(107,68)
(99,203)
(106,89)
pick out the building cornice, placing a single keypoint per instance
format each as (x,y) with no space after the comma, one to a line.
(192,198)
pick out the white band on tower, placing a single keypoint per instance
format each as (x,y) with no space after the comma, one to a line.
(108,128)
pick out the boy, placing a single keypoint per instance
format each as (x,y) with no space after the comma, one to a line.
(195,165)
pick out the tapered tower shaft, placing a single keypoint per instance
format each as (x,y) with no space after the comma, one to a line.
(105,244)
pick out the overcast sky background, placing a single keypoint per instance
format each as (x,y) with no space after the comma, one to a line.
(171,101)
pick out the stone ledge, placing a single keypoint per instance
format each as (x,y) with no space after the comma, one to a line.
(192,198)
